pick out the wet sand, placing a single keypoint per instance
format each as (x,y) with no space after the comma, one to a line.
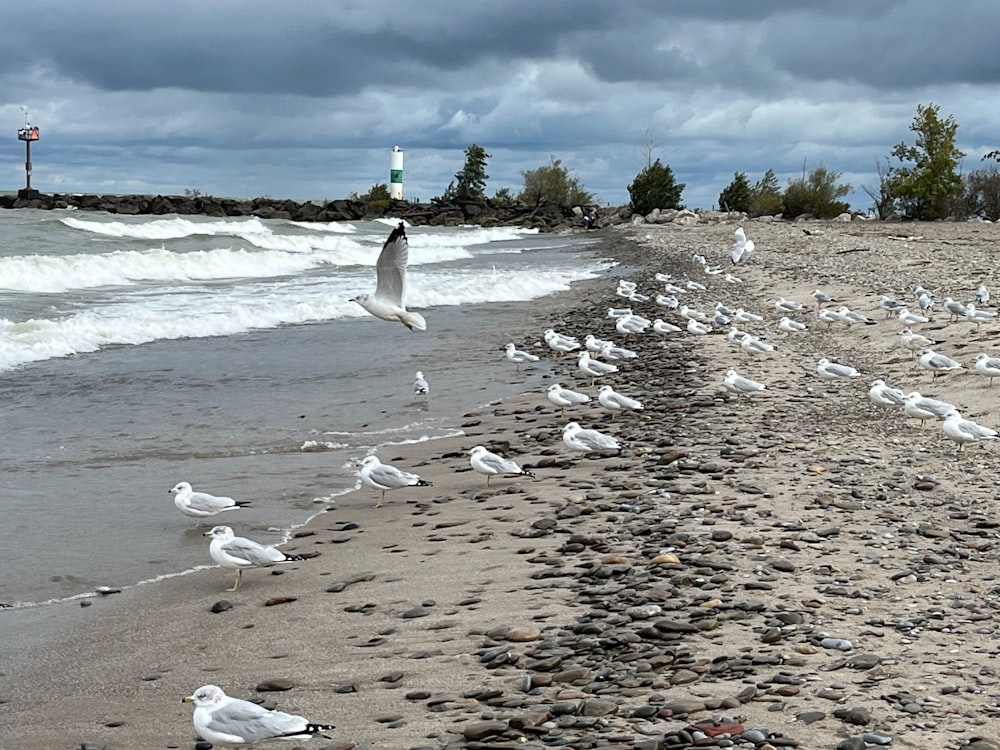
(796,568)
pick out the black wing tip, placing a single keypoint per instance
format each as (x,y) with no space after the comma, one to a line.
(396,234)
(423,483)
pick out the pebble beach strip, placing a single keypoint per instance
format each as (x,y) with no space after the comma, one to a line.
(804,569)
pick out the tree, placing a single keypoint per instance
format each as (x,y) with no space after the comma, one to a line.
(815,194)
(766,197)
(655,187)
(883,194)
(552,183)
(928,189)
(470,183)
(983,194)
(503,195)
(737,194)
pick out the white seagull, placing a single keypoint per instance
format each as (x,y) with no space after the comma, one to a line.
(937,363)
(740,385)
(517,356)
(835,371)
(978,316)
(491,464)
(699,329)
(821,298)
(201,504)
(742,247)
(613,401)
(226,721)
(389,300)
(661,326)
(925,408)
(885,395)
(955,309)
(560,343)
(420,387)
(384,477)
(851,317)
(237,553)
(908,318)
(964,431)
(982,295)
(891,305)
(754,345)
(792,326)
(988,366)
(594,344)
(612,352)
(788,305)
(589,441)
(914,342)
(632,324)
(593,368)
(563,397)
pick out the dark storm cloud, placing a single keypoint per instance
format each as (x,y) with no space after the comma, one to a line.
(279,98)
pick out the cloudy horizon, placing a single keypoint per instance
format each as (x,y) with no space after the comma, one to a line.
(306,100)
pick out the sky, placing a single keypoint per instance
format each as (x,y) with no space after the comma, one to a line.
(305,99)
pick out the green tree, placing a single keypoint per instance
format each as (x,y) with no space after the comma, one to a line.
(766,198)
(552,183)
(655,187)
(928,189)
(983,194)
(503,195)
(737,194)
(815,195)
(470,183)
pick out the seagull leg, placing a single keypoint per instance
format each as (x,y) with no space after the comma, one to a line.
(239,578)
(380,500)
(488,478)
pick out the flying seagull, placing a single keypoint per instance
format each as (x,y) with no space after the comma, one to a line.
(388,302)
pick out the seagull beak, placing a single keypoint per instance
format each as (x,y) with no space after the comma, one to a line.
(187,699)
(207,533)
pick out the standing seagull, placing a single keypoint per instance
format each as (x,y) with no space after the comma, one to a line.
(741,385)
(964,431)
(987,365)
(223,720)
(589,441)
(834,370)
(491,464)
(563,397)
(201,504)
(518,356)
(937,363)
(389,300)
(613,401)
(420,387)
(237,553)
(380,476)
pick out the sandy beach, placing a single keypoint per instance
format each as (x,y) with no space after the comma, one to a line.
(795,568)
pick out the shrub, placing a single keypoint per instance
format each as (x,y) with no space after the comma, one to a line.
(552,183)
(815,195)
(654,187)
(736,196)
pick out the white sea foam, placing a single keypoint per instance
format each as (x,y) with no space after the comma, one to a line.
(196,311)
(166,229)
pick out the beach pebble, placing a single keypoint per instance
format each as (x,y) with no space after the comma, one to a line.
(221,606)
(274,685)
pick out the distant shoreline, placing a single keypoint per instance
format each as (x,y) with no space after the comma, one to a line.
(546,217)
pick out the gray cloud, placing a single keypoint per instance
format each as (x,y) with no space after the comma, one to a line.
(305,100)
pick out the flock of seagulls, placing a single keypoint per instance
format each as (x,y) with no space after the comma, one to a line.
(225,720)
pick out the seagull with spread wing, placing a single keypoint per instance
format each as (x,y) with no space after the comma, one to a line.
(389,300)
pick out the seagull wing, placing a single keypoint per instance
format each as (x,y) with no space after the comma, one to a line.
(202,502)
(391,268)
(391,477)
(250,552)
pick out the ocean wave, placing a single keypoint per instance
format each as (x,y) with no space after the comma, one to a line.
(166,229)
(192,312)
